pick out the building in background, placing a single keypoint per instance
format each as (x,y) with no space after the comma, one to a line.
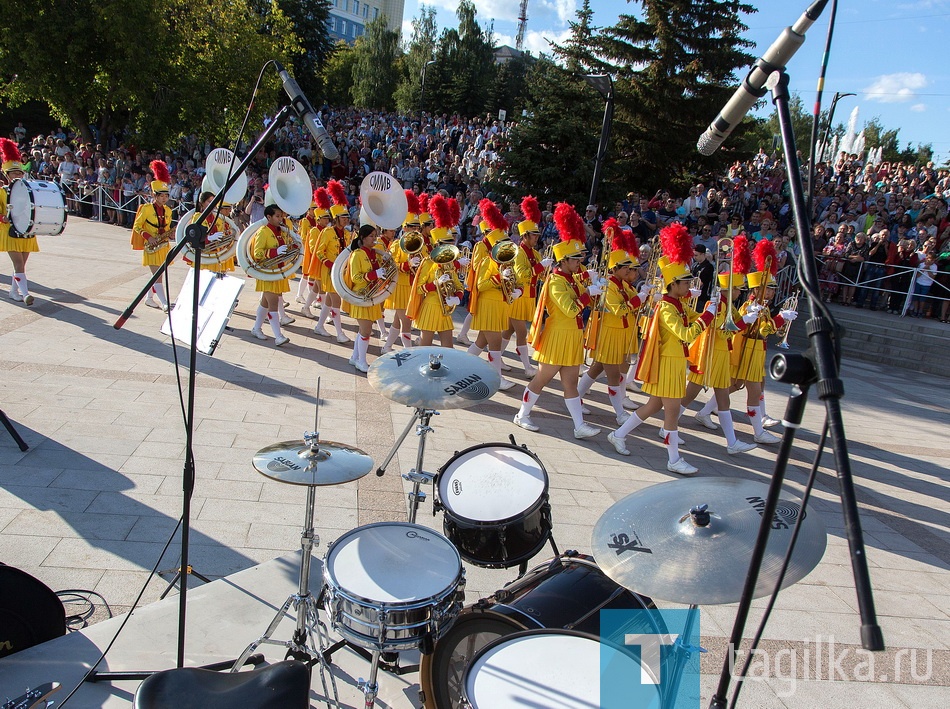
(348,18)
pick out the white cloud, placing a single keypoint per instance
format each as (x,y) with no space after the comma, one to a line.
(545,12)
(536,42)
(895,88)
(919,107)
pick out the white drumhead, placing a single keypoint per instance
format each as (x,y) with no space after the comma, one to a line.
(555,671)
(492,483)
(34,203)
(393,562)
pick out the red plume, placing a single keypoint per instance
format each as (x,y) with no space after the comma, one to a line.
(568,222)
(160,170)
(322,198)
(677,243)
(531,210)
(611,229)
(763,250)
(631,245)
(412,202)
(455,210)
(424,202)
(440,211)
(337,193)
(492,215)
(10,152)
(741,255)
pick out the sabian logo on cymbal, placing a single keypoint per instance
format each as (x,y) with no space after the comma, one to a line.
(622,542)
(786,513)
(279,465)
(472,388)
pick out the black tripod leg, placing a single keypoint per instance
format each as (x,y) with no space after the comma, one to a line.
(21,444)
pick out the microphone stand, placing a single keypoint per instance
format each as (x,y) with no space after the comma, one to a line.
(195,235)
(818,366)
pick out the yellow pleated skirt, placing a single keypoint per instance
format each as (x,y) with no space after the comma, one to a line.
(672,379)
(720,371)
(613,345)
(280,286)
(156,258)
(20,245)
(364,312)
(748,360)
(431,318)
(218,267)
(564,348)
(399,299)
(307,265)
(326,282)
(523,308)
(492,315)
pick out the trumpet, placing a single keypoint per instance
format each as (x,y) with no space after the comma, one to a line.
(791,303)
(504,253)
(444,255)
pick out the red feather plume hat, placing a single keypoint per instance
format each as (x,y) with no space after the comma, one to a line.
(766,261)
(532,216)
(10,154)
(412,210)
(570,227)
(439,207)
(162,178)
(497,225)
(321,198)
(677,245)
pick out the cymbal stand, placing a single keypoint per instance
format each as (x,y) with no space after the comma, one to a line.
(370,687)
(417,476)
(682,652)
(310,635)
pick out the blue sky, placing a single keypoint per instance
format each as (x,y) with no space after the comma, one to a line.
(888,53)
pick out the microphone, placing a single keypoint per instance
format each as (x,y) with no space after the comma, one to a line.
(306,113)
(753,86)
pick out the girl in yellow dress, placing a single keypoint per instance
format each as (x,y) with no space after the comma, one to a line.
(558,340)
(217,230)
(271,240)
(363,269)
(153,227)
(321,217)
(406,263)
(18,248)
(330,244)
(662,365)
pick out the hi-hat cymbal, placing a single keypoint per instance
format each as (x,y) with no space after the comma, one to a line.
(434,378)
(296,463)
(650,543)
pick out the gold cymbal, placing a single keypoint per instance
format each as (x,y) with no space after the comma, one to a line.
(328,463)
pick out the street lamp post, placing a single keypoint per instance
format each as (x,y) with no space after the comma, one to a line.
(605,85)
(831,117)
(422,92)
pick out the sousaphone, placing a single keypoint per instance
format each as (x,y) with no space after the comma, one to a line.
(383,201)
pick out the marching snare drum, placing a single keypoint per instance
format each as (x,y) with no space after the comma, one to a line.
(393,586)
(559,669)
(567,592)
(37,207)
(495,499)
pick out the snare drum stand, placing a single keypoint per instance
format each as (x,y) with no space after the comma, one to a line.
(310,636)
(417,476)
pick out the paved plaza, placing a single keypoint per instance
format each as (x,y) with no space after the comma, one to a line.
(93,501)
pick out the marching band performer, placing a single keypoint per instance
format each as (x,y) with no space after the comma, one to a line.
(430,308)
(662,365)
(152,226)
(271,240)
(406,263)
(363,269)
(611,332)
(321,217)
(426,222)
(384,239)
(307,223)
(497,285)
(748,353)
(479,251)
(17,248)
(331,242)
(217,230)
(532,267)
(711,368)
(558,341)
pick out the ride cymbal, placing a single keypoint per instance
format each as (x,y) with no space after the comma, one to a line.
(297,463)
(690,541)
(434,378)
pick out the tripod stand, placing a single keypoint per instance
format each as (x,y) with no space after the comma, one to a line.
(21,444)
(417,476)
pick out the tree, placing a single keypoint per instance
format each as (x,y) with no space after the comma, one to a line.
(508,86)
(309,20)
(460,79)
(337,75)
(767,133)
(421,49)
(375,70)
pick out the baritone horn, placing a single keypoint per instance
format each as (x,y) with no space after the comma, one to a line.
(444,255)
(791,303)
(504,254)
(273,268)
(375,292)
(216,251)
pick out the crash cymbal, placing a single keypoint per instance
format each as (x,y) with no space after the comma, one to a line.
(434,378)
(296,463)
(650,543)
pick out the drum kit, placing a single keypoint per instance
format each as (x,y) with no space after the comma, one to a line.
(396,587)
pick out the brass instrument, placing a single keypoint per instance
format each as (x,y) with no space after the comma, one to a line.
(293,251)
(162,240)
(791,303)
(466,253)
(375,291)
(273,268)
(645,311)
(504,253)
(766,272)
(695,284)
(444,255)
(412,242)
(725,244)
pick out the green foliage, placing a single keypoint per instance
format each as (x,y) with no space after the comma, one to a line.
(375,69)
(508,86)
(309,21)
(460,80)
(337,74)
(765,133)
(420,50)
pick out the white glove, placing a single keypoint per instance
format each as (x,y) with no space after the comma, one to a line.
(547,262)
(645,291)
(507,273)
(217,236)
(415,261)
(452,301)
(444,278)
(516,293)
(281,250)
(712,307)
(695,292)
(657,297)
(594,290)
(750,317)
(756,308)
(464,262)
(788,315)
(592,274)
(380,272)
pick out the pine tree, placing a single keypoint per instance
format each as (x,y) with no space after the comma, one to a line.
(460,79)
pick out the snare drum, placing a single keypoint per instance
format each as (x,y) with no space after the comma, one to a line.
(36,208)
(495,498)
(559,669)
(565,592)
(393,586)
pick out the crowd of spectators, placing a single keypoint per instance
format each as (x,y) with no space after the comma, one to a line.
(879,230)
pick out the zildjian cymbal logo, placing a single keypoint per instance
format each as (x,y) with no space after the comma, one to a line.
(622,542)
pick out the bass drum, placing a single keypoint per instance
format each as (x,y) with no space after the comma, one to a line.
(567,592)
(37,207)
